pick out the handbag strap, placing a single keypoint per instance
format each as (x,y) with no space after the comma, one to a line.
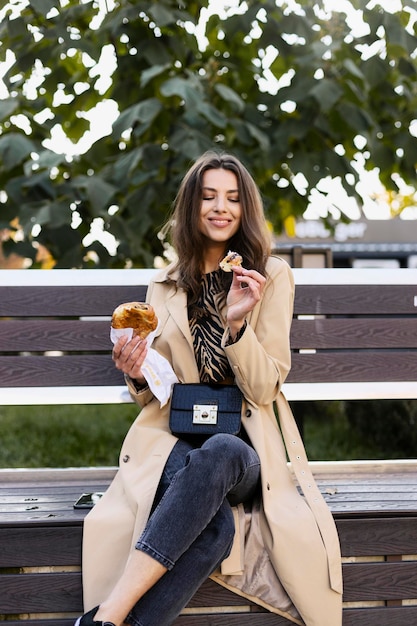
(299,463)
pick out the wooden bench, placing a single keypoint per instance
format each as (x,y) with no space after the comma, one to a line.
(354,336)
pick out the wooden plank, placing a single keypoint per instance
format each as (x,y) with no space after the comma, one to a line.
(347,366)
(41,593)
(85,370)
(69,370)
(61,545)
(230,619)
(355,299)
(64,335)
(43,622)
(354,333)
(101,300)
(379,581)
(42,477)
(225,619)
(406,616)
(391,497)
(40,547)
(380,616)
(370,537)
(350,489)
(48,301)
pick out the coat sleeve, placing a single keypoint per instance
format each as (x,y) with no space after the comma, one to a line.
(261,358)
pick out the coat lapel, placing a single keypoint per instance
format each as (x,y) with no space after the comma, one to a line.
(175,305)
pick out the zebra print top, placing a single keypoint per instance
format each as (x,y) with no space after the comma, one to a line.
(207,330)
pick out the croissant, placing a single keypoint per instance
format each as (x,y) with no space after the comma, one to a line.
(137,315)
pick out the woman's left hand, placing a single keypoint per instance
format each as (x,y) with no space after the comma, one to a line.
(245,292)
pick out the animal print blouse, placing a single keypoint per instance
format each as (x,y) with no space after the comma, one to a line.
(207,330)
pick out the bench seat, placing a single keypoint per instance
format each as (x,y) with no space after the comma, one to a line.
(374,506)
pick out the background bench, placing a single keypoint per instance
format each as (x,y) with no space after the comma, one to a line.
(354,336)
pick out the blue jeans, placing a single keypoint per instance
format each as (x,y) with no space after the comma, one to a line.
(191,529)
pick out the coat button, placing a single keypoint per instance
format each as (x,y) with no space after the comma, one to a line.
(126,458)
(248,413)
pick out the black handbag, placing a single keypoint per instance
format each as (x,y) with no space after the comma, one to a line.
(205,409)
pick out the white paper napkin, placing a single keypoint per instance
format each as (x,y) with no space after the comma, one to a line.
(156,369)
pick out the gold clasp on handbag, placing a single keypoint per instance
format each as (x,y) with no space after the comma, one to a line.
(205,414)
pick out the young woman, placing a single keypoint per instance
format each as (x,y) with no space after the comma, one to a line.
(178,510)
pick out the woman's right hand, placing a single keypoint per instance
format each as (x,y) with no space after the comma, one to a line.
(129,355)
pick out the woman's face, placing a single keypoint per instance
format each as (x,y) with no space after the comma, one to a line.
(221,211)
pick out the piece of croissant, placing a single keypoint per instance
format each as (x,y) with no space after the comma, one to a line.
(231,259)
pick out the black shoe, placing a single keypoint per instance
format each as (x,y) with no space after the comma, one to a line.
(88,619)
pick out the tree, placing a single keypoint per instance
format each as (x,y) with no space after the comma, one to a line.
(290,89)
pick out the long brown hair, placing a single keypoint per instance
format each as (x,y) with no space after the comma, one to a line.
(252,240)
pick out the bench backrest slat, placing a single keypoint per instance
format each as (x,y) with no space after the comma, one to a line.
(359,367)
(349,327)
(354,334)
(47,301)
(333,299)
(49,371)
(40,335)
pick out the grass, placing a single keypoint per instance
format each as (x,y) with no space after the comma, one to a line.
(63,436)
(86,436)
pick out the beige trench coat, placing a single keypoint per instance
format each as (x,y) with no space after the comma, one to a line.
(286,553)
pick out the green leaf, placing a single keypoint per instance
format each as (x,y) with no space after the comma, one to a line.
(327,93)
(229,95)
(44,6)
(143,112)
(355,117)
(213,115)
(48,159)
(21,248)
(17,28)
(60,213)
(155,52)
(161,15)
(100,194)
(39,185)
(14,149)
(407,68)
(8,107)
(64,243)
(352,67)
(260,137)
(382,156)
(151,73)
(375,71)
(182,88)
(397,35)
(125,164)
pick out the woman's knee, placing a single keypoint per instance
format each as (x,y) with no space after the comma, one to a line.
(228,449)
(224,445)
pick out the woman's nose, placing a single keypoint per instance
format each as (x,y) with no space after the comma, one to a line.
(220,203)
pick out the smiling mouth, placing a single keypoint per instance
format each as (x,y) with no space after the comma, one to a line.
(220,222)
